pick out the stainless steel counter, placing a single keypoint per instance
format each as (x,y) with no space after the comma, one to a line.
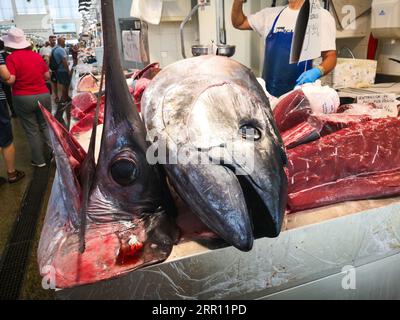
(306,261)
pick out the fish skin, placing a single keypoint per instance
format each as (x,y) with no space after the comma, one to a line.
(131,224)
(203,102)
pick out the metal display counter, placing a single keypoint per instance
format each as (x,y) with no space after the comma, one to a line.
(305,262)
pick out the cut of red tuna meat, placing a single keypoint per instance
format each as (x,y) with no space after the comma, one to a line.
(85,108)
(140,87)
(148,72)
(292,110)
(318,126)
(143,79)
(303,133)
(86,123)
(359,162)
(82,104)
(332,123)
(88,83)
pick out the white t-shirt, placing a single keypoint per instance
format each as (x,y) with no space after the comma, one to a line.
(263,21)
(46,51)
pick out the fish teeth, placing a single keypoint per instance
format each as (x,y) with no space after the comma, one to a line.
(133,240)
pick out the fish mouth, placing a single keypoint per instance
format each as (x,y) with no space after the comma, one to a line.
(238,207)
(266,214)
(264,225)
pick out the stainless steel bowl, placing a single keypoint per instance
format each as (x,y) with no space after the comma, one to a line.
(200,50)
(226,50)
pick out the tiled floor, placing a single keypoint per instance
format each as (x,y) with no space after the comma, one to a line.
(10,202)
(32,287)
(11,195)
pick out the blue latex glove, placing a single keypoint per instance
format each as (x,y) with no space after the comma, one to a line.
(309,76)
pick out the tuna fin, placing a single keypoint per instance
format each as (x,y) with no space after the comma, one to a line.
(69,156)
(75,152)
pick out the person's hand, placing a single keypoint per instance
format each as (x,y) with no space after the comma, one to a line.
(309,76)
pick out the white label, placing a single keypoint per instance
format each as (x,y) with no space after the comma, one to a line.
(133,46)
(386,102)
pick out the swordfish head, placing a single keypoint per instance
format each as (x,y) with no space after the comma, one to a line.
(213,130)
(126,222)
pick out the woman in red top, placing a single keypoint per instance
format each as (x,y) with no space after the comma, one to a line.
(29,73)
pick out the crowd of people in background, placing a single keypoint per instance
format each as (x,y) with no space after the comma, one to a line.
(29,76)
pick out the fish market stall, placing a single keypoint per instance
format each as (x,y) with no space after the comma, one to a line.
(315,257)
(111,231)
(305,262)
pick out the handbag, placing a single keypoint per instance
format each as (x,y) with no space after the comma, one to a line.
(54,66)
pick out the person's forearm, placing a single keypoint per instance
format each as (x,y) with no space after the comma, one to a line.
(47,76)
(329,61)
(4,73)
(238,16)
(11,80)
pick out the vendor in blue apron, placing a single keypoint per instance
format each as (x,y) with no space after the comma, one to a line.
(276,25)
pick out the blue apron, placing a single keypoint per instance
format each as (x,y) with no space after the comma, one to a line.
(280,76)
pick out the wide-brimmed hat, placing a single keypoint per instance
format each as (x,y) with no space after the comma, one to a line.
(15,39)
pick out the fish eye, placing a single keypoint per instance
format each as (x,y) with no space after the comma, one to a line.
(124,172)
(250,132)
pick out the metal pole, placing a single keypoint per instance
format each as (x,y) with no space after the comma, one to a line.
(195,8)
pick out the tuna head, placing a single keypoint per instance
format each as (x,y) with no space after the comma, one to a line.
(223,153)
(122,198)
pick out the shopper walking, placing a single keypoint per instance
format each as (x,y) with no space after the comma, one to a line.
(53,79)
(7,148)
(45,52)
(28,78)
(61,68)
(75,53)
